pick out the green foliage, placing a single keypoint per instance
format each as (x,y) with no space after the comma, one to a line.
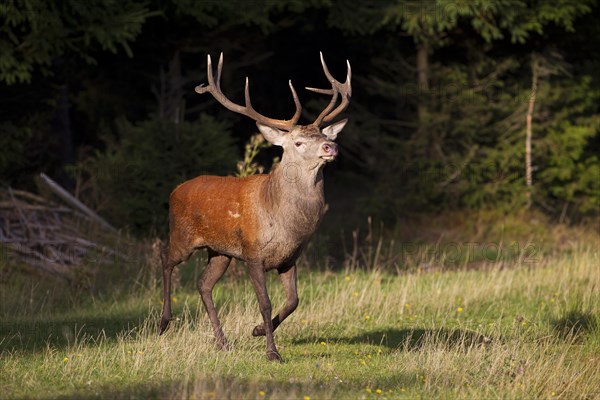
(212,13)
(131,180)
(432,21)
(249,166)
(472,152)
(443,135)
(34,33)
(469,148)
(570,170)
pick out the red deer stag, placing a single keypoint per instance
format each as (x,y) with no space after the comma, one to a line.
(264,220)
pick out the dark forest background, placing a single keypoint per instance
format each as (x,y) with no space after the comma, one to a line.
(100,96)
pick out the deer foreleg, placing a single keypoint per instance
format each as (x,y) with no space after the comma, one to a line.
(287,277)
(257,276)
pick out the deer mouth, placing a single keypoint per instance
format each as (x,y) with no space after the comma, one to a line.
(328,151)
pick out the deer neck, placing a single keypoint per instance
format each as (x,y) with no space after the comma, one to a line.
(293,180)
(296,195)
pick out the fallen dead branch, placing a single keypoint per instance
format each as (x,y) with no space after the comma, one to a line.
(40,235)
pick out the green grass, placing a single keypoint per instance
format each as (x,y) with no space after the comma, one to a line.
(507,331)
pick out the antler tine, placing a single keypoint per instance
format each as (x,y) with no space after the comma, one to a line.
(329,107)
(298,112)
(346,90)
(325,69)
(214,88)
(337,88)
(201,88)
(247,96)
(348,78)
(330,78)
(219,68)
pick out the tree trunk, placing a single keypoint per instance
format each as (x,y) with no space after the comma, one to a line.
(423,81)
(528,130)
(62,127)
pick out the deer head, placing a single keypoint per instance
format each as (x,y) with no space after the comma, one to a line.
(310,146)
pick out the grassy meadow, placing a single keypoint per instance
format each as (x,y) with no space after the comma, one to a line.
(507,329)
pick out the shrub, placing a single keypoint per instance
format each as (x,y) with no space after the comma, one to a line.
(130,181)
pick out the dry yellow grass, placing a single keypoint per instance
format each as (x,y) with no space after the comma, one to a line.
(507,331)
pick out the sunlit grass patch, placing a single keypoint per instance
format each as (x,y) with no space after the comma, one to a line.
(501,332)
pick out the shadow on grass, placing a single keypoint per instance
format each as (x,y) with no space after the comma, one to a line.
(227,387)
(410,339)
(60,332)
(195,388)
(575,324)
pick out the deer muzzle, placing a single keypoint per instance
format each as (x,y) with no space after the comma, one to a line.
(329,151)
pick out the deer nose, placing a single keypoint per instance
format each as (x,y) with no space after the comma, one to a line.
(330,148)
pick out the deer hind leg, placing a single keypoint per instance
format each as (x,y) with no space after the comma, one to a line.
(217,265)
(287,277)
(170,259)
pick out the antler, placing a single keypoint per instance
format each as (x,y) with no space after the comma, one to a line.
(337,88)
(214,88)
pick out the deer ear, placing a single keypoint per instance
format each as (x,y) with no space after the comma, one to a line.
(332,131)
(272,135)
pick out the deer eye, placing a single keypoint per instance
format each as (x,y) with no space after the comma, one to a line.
(298,144)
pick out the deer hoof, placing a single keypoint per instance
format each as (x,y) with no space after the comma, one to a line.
(259,330)
(274,356)
(223,345)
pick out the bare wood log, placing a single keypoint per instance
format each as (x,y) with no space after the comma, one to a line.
(30,196)
(34,207)
(74,202)
(22,217)
(51,238)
